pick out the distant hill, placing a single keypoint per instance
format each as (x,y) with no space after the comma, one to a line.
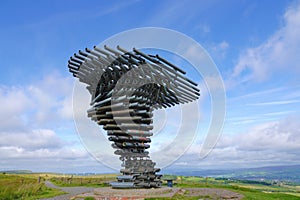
(17,172)
(281,173)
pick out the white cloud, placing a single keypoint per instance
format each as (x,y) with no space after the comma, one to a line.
(13,103)
(14,152)
(219,50)
(214,82)
(204,28)
(271,103)
(34,123)
(287,112)
(279,53)
(181,164)
(279,136)
(278,91)
(194,53)
(35,139)
(46,101)
(66,109)
(37,146)
(223,45)
(170,13)
(51,98)
(271,143)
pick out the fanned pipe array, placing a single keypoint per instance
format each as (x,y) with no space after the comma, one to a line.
(126,86)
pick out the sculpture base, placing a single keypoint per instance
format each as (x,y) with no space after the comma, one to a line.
(110,193)
(137,181)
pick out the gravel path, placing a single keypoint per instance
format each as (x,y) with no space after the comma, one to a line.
(72,191)
(204,193)
(153,192)
(109,193)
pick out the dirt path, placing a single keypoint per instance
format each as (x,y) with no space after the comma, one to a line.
(109,193)
(139,194)
(72,191)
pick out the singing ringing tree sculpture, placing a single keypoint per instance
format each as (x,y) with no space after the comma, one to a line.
(126,86)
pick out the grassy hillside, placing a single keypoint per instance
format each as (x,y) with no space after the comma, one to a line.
(250,189)
(24,187)
(101,180)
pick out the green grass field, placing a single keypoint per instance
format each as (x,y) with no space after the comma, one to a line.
(263,191)
(26,186)
(89,181)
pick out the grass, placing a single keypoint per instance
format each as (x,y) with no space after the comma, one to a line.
(89,181)
(249,194)
(294,194)
(89,198)
(24,187)
(263,191)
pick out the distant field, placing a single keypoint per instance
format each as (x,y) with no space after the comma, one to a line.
(26,186)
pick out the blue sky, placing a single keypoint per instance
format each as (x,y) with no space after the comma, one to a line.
(254,44)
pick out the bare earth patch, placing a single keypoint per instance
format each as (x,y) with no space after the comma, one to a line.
(213,193)
(122,194)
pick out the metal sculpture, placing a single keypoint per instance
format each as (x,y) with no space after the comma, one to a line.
(126,87)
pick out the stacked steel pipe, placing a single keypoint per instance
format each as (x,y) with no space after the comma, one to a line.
(126,87)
